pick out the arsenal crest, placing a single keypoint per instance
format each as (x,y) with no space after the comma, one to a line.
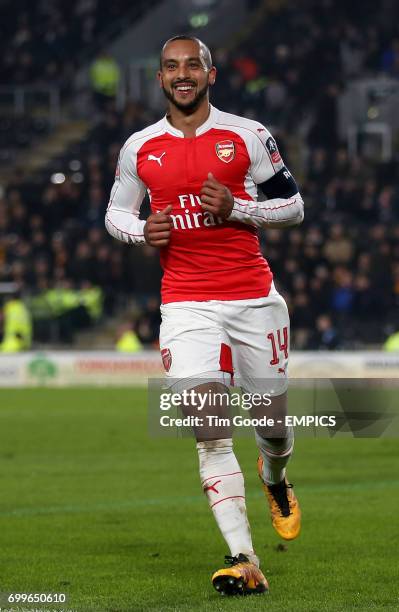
(225,150)
(166,358)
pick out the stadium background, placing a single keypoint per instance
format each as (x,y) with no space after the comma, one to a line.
(76,79)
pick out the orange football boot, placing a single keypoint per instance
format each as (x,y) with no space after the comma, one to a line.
(284,506)
(241,578)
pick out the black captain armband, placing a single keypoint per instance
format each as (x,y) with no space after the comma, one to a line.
(281,185)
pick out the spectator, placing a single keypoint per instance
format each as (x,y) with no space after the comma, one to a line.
(105,77)
(338,248)
(325,336)
(128,341)
(17,326)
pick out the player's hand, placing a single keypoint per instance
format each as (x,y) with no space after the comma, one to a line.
(158,227)
(216,198)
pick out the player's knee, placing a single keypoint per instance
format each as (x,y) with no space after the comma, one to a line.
(209,405)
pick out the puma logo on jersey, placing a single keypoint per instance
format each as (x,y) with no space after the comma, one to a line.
(157,159)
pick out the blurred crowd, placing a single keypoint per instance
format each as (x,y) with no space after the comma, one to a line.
(339,270)
(45,42)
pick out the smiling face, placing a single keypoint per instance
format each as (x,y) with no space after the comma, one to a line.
(186,74)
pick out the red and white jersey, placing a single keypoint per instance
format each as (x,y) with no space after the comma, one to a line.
(207,258)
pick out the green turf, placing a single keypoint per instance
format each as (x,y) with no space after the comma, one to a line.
(91,506)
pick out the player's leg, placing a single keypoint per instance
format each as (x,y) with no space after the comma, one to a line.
(260,355)
(221,476)
(194,341)
(275,443)
(274,454)
(223,483)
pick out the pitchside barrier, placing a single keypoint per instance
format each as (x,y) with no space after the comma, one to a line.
(108,368)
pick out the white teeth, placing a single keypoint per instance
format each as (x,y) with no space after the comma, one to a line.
(184,88)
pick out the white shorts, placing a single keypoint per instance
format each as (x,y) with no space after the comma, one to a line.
(216,339)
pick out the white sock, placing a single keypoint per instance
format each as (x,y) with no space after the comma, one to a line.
(275,454)
(223,484)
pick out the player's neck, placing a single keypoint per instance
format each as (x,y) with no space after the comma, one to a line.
(189,123)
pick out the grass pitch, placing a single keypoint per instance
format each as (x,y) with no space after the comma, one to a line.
(93,507)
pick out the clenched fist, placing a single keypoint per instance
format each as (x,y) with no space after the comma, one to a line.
(158,227)
(216,198)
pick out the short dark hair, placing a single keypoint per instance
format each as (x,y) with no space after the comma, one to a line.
(204,50)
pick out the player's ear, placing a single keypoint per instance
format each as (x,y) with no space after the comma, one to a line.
(212,76)
(159,77)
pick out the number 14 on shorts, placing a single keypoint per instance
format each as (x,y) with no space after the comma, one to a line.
(278,338)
